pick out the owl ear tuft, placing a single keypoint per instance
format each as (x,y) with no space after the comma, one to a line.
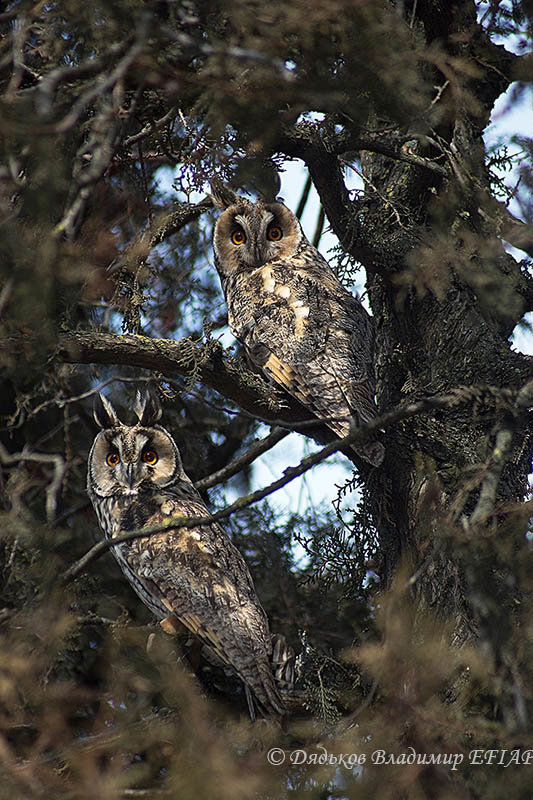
(148,408)
(221,194)
(104,414)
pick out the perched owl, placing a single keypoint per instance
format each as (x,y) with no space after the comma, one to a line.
(298,323)
(193,576)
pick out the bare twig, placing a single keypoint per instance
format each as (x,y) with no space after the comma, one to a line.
(5,295)
(428,560)
(70,512)
(47,87)
(254,451)
(173,523)
(440,92)
(162,227)
(355,436)
(385,200)
(304,197)
(149,128)
(413,15)
(18,37)
(487,494)
(53,487)
(348,722)
(65,401)
(319,226)
(100,87)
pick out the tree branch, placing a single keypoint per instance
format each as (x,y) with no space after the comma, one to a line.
(102,85)
(45,90)
(324,168)
(210,365)
(519,234)
(52,490)
(254,451)
(149,128)
(163,226)
(487,495)
(390,145)
(309,136)
(174,523)
(364,432)
(205,363)
(319,146)
(499,455)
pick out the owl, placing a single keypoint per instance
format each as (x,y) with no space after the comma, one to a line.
(297,322)
(193,576)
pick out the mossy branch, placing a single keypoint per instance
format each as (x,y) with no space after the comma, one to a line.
(205,363)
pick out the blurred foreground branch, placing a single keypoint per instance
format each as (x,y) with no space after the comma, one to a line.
(53,487)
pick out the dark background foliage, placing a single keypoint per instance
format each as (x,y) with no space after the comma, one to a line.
(409,597)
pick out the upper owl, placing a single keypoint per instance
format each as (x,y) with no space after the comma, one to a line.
(195,576)
(298,323)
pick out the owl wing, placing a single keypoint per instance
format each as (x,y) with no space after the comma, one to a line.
(200,577)
(313,338)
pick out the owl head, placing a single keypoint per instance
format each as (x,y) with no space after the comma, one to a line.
(248,235)
(124,459)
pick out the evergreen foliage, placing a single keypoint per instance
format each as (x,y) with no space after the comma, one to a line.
(409,598)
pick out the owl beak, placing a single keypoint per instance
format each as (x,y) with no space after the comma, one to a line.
(258,256)
(130,475)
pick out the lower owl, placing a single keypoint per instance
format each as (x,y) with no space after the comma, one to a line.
(297,322)
(193,576)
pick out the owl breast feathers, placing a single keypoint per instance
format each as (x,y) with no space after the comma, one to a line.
(194,576)
(298,324)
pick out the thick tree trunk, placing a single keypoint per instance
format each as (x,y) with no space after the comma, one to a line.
(445,298)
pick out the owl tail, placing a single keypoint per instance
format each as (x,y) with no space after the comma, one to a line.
(264,693)
(267,682)
(283,660)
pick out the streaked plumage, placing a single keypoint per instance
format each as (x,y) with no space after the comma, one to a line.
(298,323)
(194,576)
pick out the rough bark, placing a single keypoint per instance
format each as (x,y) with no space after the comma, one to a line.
(432,337)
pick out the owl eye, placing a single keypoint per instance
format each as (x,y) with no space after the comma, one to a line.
(112,458)
(238,236)
(150,457)
(274,233)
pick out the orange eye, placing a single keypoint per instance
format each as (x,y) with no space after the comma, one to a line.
(238,236)
(112,458)
(274,233)
(150,457)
